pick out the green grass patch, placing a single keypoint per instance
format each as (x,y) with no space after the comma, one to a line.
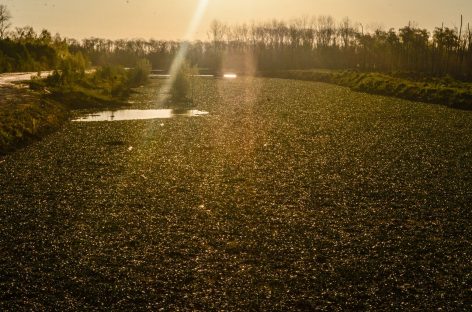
(446,91)
(23,123)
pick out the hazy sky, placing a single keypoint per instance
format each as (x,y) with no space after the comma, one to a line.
(168,19)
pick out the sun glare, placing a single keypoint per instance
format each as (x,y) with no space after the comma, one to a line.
(182,53)
(230,76)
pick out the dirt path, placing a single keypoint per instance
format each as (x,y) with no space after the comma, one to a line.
(11,78)
(287,196)
(12,92)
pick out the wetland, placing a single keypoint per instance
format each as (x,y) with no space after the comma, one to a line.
(287,195)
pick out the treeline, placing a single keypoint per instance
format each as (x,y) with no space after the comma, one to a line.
(305,43)
(302,44)
(25,50)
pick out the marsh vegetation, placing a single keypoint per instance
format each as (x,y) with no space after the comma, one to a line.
(321,198)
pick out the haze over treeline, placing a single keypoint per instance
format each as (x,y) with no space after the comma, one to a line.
(318,42)
(168,20)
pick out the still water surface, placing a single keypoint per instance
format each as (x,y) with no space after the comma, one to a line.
(140,114)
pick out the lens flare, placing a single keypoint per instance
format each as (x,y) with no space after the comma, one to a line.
(182,53)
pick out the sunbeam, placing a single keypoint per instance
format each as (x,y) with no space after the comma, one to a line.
(182,53)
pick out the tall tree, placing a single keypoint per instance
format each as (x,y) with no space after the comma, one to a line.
(5,17)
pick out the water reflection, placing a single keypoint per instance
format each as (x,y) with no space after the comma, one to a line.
(225,76)
(230,76)
(140,114)
(166,76)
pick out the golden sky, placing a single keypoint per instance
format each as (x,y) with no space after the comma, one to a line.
(169,19)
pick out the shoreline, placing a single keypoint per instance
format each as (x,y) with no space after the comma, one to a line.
(29,115)
(444,91)
(26,116)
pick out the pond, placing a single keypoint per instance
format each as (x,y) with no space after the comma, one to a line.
(140,114)
(224,76)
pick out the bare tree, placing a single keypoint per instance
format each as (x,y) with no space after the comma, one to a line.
(326,31)
(217,32)
(347,32)
(4,20)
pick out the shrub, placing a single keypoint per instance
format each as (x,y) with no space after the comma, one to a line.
(183,84)
(139,75)
(110,73)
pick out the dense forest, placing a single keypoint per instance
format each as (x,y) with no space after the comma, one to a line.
(302,44)
(318,42)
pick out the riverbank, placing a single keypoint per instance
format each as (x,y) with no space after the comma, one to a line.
(34,108)
(27,115)
(445,91)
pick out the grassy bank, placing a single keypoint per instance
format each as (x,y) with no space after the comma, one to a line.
(27,115)
(26,118)
(444,91)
